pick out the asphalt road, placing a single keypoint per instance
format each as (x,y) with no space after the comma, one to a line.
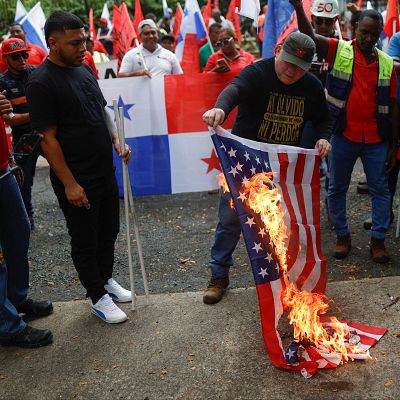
(177,232)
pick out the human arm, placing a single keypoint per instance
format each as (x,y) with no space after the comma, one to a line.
(394,51)
(126,155)
(176,68)
(305,26)
(240,89)
(130,66)
(5,105)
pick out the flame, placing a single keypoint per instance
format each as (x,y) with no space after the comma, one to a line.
(224,186)
(306,308)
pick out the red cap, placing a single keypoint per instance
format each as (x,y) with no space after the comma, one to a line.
(13,45)
(103,20)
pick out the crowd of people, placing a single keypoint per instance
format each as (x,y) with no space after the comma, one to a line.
(58,96)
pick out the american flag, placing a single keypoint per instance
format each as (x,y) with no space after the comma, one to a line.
(296,176)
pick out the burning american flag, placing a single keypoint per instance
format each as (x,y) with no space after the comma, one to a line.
(276,193)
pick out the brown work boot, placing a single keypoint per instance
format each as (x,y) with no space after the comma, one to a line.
(215,290)
(378,251)
(342,247)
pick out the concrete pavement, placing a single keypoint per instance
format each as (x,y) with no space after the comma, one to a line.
(175,347)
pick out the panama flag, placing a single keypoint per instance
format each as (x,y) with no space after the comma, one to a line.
(33,24)
(20,11)
(172,151)
(192,31)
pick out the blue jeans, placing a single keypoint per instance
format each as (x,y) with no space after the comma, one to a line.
(226,238)
(342,158)
(29,168)
(14,241)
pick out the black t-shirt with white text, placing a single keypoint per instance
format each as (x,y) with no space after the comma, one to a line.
(270,111)
(70,100)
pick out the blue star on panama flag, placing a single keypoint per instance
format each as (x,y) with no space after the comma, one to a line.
(126,108)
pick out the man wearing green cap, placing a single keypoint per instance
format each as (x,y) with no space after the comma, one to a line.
(275,98)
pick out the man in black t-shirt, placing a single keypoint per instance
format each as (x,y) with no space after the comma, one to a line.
(67,107)
(275,98)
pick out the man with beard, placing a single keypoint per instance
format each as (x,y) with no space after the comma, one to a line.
(361,94)
(68,108)
(149,59)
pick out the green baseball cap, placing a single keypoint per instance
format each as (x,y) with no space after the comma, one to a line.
(298,49)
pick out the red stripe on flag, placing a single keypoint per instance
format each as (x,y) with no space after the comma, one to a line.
(293,245)
(368,329)
(190,96)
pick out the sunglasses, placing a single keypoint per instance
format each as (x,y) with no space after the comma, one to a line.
(224,42)
(16,56)
(320,20)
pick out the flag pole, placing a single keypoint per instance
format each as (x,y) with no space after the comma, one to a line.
(138,240)
(137,44)
(119,118)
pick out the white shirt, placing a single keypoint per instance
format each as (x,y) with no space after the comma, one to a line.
(225,23)
(160,62)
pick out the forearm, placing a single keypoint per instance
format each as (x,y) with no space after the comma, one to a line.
(139,72)
(18,119)
(110,125)
(228,99)
(55,157)
(303,22)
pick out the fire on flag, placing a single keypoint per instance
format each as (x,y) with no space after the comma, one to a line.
(275,191)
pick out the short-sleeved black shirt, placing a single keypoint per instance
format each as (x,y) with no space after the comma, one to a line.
(70,99)
(270,111)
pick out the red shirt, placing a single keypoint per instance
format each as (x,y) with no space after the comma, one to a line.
(4,153)
(361,123)
(235,65)
(89,61)
(36,56)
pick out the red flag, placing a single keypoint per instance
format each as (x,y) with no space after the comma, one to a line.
(124,32)
(138,17)
(359,4)
(177,22)
(234,18)
(91,25)
(216,5)
(392,18)
(207,13)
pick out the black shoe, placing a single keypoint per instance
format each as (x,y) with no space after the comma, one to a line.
(362,188)
(29,337)
(35,309)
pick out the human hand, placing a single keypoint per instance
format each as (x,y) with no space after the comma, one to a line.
(296,3)
(5,105)
(18,173)
(214,117)
(323,147)
(126,155)
(76,196)
(352,7)
(144,72)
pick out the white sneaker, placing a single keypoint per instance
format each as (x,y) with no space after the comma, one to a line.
(117,292)
(108,311)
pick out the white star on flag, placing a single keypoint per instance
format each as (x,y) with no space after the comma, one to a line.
(242,196)
(250,221)
(233,171)
(258,160)
(257,247)
(222,147)
(247,156)
(245,180)
(253,170)
(290,353)
(262,232)
(239,166)
(266,165)
(263,272)
(269,257)
(232,152)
